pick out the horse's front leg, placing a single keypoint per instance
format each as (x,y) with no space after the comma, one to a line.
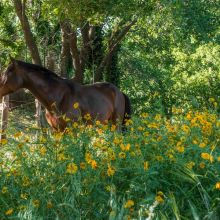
(56,122)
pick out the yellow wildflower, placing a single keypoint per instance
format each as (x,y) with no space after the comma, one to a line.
(122,155)
(116,140)
(36,203)
(9,211)
(61,156)
(113,127)
(146,165)
(207,156)
(58,136)
(160,193)
(185,128)
(99,131)
(110,171)
(129,122)
(217,185)
(202,145)
(71,168)
(180,149)
(202,165)
(122,146)
(88,157)
(159,197)
(188,116)
(195,141)
(3,141)
(159,158)
(190,165)
(75,105)
(144,115)
(97,122)
(4,189)
(17,135)
(82,165)
(24,196)
(129,204)
(75,125)
(43,151)
(93,164)
(125,147)
(87,117)
(112,156)
(25,181)
(140,128)
(157,117)
(146,133)
(153,125)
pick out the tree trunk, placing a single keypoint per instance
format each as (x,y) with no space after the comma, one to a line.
(50,61)
(65,51)
(4,116)
(91,54)
(31,44)
(76,58)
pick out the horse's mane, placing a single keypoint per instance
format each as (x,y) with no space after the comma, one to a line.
(37,68)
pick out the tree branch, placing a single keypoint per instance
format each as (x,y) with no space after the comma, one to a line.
(112,47)
(86,48)
(19,8)
(72,37)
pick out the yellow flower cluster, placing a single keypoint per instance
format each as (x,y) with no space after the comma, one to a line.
(71,168)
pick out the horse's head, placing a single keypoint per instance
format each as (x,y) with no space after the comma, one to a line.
(10,80)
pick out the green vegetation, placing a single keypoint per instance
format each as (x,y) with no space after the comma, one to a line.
(158,169)
(165,55)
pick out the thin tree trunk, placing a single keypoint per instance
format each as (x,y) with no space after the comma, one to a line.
(31,44)
(75,56)
(65,51)
(50,61)
(4,116)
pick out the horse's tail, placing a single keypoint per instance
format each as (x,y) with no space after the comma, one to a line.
(127,112)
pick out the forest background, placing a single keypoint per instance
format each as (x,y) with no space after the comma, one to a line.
(163,54)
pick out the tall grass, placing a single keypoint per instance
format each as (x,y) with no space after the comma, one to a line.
(158,169)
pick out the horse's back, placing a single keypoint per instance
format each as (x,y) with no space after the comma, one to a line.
(103,100)
(114,96)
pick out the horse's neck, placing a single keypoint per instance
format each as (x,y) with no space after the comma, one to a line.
(43,90)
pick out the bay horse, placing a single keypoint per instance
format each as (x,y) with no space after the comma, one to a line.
(101,101)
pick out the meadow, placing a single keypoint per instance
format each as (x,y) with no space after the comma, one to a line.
(165,56)
(158,169)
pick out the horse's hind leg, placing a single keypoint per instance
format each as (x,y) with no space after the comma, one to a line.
(117,118)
